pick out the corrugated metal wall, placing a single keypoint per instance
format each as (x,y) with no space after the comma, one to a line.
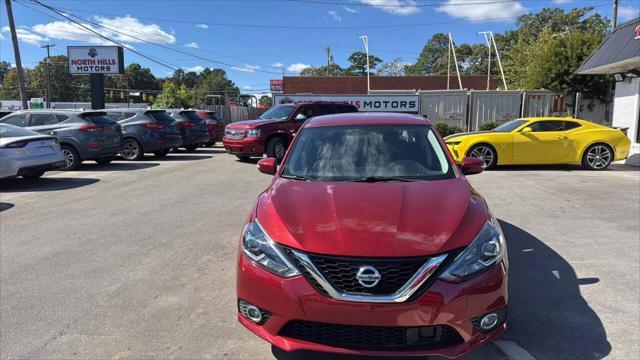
(493,106)
(446,106)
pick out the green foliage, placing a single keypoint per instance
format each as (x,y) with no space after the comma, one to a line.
(213,82)
(174,97)
(396,67)
(446,129)
(433,58)
(358,62)
(488,126)
(4,69)
(265,101)
(331,70)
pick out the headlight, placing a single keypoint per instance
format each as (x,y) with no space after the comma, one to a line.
(257,245)
(488,248)
(253,133)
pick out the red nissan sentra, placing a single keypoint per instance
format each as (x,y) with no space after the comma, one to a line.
(371,241)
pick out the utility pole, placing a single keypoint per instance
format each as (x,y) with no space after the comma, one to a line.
(328,50)
(16,50)
(365,40)
(48,68)
(614,15)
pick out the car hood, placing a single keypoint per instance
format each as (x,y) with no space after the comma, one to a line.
(249,123)
(459,135)
(391,219)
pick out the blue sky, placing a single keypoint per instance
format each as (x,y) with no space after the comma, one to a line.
(257,39)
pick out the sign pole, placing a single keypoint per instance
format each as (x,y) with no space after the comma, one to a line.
(97,91)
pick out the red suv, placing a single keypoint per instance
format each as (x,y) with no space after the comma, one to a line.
(214,125)
(273,131)
(371,241)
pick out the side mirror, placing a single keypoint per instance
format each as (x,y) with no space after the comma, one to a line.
(526,130)
(267,166)
(471,165)
(301,117)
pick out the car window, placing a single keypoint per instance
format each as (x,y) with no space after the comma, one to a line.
(98,118)
(42,119)
(346,153)
(17,120)
(304,113)
(570,125)
(324,110)
(278,113)
(117,116)
(61,117)
(346,109)
(509,126)
(547,126)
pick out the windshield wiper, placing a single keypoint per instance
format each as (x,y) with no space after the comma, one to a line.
(296,177)
(373,179)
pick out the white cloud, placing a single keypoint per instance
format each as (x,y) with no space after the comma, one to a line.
(627,13)
(202,26)
(247,87)
(193,45)
(25,35)
(5,29)
(195,69)
(246,68)
(1,36)
(297,67)
(395,7)
(334,15)
(562,1)
(277,65)
(351,10)
(483,10)
(64,30)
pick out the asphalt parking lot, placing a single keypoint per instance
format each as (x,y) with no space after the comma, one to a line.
(136,260)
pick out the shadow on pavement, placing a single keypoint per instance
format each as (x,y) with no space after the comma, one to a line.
(116,166)
(180,157)
(250,161)
(539,168)
(210,151)
(547,315)
(5,206)
(43,184)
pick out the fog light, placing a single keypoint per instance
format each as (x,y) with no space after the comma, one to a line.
(252,312)
(489,321)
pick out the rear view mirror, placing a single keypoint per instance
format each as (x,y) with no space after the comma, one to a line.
(526,130)
(471,165)
(301,117)
(267,166)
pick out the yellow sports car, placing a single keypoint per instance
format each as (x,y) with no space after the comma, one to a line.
(543,141)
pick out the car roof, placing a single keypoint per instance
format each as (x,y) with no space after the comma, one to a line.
(131,110)
(367,118)
(57,111)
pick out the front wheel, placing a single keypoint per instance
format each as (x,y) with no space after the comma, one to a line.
(132,150)
(597,157)
(71,157)
(276,148)
(161,153)
(485,153)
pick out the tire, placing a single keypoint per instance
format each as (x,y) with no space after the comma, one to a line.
(105,160)
(162,153)
(597,157)
(71,157)
(132,150)
(33,175)
(243,158)
(191,147)
(485,152)
(276,148)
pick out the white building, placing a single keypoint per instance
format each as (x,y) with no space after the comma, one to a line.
(619,54)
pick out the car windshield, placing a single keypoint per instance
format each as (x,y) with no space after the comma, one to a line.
(277,113)
(7,131)
(192,116)
(368,153)
(509,126)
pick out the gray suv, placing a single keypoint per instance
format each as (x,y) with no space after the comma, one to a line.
(193,128)
(146,131)
(83,135)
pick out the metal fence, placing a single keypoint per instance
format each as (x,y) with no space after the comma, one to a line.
(446,106)
(231,113)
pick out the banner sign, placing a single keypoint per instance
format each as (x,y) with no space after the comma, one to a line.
(276,86)
(390,103)
(85,60)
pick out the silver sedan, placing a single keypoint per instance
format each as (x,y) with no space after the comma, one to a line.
(27,153)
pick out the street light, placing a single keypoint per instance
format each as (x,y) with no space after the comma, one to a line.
(365,40)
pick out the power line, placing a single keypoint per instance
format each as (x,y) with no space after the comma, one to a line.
(399,5)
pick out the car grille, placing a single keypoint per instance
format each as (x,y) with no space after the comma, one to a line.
(371,337)
(234,134)
(341,272)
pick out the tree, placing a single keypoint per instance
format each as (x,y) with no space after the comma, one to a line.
(358,62)
(174,97)
(266,101)
(4,69)
(396,67)
(330,70)
(433,58)
(214,82)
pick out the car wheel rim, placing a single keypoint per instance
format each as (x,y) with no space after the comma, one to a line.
(130,150)
(599,157)
(483,153)
(68,157)
(279,151)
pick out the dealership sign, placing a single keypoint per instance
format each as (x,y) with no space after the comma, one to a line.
(391,103)
(85,60)
(276,86)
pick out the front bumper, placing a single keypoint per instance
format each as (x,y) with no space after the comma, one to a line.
(244,147)
(453,305)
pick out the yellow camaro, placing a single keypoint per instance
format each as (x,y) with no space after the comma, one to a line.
(543,141)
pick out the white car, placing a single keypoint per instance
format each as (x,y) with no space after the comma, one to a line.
(27,153)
